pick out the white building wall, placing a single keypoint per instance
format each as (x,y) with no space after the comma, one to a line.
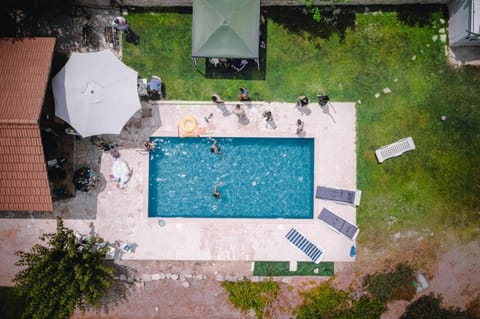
(464,15)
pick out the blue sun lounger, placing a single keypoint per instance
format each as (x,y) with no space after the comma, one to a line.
(339,224)
(306,246)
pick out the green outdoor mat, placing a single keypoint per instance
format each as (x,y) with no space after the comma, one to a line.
(281,268)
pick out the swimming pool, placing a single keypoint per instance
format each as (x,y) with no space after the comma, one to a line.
(257,177)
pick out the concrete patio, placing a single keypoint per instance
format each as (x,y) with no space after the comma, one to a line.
(121,214)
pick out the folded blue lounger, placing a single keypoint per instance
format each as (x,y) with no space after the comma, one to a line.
(309,249)
(339,224)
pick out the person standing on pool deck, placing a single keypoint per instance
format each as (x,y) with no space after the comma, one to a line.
(148,146)
(216,193)
(214,148)
(300,125)
(238,111)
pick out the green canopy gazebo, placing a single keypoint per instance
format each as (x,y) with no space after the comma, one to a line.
(226,29)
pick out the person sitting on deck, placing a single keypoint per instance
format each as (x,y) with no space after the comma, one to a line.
(120,24)
(216,99)
(244,94)
(154,86)
(148,146)
(323,99)
(303,101)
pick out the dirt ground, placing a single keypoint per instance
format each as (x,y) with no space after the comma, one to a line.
(452,272)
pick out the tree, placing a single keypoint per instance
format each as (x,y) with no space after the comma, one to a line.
(66,274)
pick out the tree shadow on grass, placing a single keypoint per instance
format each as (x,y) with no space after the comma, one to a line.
(337,19)
(420,15)
(300,20)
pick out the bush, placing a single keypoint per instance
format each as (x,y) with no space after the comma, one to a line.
(247,295)
(430,306)
(367,308)
(323,302)
(395,285)
(473,306)
(327,302)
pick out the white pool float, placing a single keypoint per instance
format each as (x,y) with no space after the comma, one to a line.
(121,173)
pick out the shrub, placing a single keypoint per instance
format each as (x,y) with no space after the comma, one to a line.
(323,302)
(473,306)
(430,306)
(367,308)
(394,285)
(247,295)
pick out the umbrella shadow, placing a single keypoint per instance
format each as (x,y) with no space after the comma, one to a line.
(140,126)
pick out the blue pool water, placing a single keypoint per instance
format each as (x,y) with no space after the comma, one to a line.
(261,178)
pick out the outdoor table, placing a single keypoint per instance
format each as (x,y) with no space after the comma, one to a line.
(84,179)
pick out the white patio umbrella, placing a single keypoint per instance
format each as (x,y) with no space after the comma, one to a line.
(95,93)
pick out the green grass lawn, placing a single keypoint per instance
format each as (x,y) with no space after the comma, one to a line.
(434,189)
(282,268)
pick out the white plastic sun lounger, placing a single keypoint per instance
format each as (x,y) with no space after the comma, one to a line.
(339,224)
(395,149)
(306,246)
(339,195)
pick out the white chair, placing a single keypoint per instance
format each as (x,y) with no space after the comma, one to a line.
(142,87)
(395,149)
(214,61)
(111,253)
(242,65)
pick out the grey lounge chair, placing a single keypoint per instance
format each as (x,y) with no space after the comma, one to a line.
(306,246)
(339,224)
(339,195)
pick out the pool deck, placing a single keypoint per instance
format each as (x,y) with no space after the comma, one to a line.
(121,214)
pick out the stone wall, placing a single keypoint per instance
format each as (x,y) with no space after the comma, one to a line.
(188,3)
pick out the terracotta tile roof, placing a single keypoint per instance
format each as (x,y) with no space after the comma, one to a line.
(24,73)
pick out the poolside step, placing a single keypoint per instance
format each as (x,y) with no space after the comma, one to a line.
(292,265)
(306,246)
(395,149)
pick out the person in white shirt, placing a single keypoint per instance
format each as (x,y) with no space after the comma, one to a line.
(120,24)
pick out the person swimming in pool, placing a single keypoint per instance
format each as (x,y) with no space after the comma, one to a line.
(214,148)
(215,192)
